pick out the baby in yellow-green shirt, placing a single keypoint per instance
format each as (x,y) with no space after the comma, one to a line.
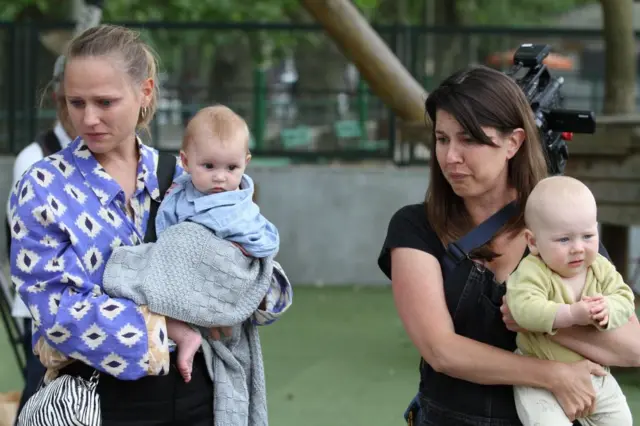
(562,283)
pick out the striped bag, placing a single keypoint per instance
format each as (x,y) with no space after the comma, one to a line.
(66,401)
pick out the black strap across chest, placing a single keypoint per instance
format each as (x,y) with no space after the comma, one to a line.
(165,172)
(477,237)
(49,142)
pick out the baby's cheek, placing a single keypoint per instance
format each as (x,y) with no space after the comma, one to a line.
(555,258)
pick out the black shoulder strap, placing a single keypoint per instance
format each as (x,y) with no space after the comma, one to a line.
(49,143)
(478,236)
(165,172)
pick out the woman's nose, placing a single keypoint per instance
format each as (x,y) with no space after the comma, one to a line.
(91,117)
(454,153)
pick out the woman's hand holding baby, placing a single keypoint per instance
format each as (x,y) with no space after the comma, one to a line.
(507,318)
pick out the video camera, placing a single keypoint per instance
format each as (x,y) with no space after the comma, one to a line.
(556,125)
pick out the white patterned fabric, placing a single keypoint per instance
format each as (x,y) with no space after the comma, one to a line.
(67,215)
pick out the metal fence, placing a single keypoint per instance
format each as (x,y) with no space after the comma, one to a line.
(302,98)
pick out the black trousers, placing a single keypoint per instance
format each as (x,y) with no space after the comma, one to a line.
(155,400)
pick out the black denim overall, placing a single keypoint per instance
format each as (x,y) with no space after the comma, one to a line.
(473,298)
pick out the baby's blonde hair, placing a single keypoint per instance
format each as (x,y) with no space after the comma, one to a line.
(221,122)
(556,192)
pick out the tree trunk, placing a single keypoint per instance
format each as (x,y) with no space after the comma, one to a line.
(620,57)
(448,46)
(619,98)
(385,74)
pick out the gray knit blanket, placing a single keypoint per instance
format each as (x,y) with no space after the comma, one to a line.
(193,276)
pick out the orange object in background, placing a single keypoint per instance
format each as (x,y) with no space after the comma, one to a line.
(8,407)
(553,61)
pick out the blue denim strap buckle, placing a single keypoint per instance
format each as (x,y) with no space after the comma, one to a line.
(412,412)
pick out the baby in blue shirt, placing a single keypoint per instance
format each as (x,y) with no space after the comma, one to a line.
(216,193)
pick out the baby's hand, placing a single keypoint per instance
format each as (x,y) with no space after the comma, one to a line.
(581,312)
(598,309)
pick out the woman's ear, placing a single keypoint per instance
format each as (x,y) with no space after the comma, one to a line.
(147,91)
(531,242)
(514,142)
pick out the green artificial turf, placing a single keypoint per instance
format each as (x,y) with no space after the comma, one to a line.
(341,357)
(338,357)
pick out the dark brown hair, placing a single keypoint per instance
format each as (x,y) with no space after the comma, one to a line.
(480,96)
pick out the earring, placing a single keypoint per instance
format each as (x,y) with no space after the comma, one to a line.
(143,112)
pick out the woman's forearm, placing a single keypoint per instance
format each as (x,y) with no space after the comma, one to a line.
(480,363)
(619,347)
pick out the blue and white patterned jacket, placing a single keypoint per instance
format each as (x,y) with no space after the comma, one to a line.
(67,215)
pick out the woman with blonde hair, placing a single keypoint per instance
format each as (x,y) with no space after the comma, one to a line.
(71,210)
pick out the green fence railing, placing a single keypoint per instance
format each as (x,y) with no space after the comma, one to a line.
(319,110)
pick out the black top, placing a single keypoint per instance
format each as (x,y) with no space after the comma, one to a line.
(409,228)
(473,301)
(476,314)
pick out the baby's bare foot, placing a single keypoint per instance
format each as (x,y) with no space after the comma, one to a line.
(186,351)
(188,341)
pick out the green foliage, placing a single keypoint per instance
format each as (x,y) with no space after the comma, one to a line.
(177,10)
(203,10)
(268,46)
(515,13)
(10,9)
(472,12)
(264,46)
(208,11)
(491,12)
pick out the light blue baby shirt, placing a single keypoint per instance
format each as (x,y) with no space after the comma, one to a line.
(231,215)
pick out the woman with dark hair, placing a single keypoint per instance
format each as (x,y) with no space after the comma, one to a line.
(486,157)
